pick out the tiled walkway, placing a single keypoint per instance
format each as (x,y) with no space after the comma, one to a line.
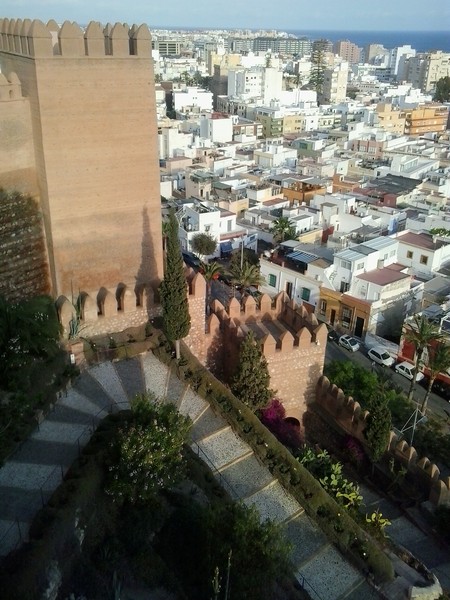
(28,479)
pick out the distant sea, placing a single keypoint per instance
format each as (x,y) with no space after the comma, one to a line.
(421,41)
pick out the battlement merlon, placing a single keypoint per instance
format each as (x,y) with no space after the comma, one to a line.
(35,40)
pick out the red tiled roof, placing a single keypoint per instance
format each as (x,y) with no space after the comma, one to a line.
(383,276)
(421,240)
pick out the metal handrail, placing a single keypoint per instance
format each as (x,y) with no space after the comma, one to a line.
(44,495)
(223,481)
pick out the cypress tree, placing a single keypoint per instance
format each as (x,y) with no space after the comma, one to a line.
(251,381)
(378,427)
(173,290)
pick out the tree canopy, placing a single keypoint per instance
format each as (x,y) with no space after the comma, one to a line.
(442,93)
(378,427)
(245,276)
(173,290)
(28,330)
(203,244)
(283,229)
(146,455)
(420,333)
(251,381)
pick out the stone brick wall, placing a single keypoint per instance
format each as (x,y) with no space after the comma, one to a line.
(93,122)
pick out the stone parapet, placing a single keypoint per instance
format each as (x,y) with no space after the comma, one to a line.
(352,419)
(35,39)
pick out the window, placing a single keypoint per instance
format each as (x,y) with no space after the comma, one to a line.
(306,293)
(344,287)
(272,280)
(345,264)
(360,266)
(409,254)
(423,259)
(346,317)
(323,307)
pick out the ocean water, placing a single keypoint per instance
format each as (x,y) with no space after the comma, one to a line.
(421,41)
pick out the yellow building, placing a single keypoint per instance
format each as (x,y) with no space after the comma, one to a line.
(431,118)
(391,119)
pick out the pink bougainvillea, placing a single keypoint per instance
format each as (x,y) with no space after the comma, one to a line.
(285,429)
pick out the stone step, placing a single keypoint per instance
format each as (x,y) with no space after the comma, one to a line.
(106,375)
(175,388)
(90,388)
(329,574)
(78,402)
(192,405)
(156,374)
(272,502)
(305,537)
(206,424)
(246,476)
(131,376)
(223,448)
(12,535)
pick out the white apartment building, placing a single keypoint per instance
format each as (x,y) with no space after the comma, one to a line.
(357,260)
(173,142)
(423,253)
(397,60)
(335,84)
(217,128)
(184,100)
(262,83)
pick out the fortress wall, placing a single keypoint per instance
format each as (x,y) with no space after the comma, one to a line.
(352,420)
(295,362)
(17,167)
(94,126)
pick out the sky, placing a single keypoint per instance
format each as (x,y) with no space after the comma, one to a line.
(349,15)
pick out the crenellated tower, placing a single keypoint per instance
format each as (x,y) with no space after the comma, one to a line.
(89,150)
(290,338)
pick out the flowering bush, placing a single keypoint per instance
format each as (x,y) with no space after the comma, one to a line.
(286,430)
(147,453)
(354,450)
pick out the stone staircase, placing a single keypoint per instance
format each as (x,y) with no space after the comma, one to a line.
(36,469)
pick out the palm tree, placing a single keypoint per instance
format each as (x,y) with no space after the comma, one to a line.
(420,334)
(246,276)
(438,362)
(283,229)
(210,272)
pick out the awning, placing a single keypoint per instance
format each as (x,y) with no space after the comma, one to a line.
(304,257)
(226,247)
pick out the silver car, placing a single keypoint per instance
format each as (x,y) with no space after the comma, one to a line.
(346,341)
(381,356)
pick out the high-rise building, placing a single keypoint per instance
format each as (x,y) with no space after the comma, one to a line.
(348,51)
(425,70)
(375,52)
(88,114)
(397,59)
(334,88)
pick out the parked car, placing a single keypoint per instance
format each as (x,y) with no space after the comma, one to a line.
(442,389)
(346,341)
(381,356)
(333,335)
(191,260)
(407,370)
